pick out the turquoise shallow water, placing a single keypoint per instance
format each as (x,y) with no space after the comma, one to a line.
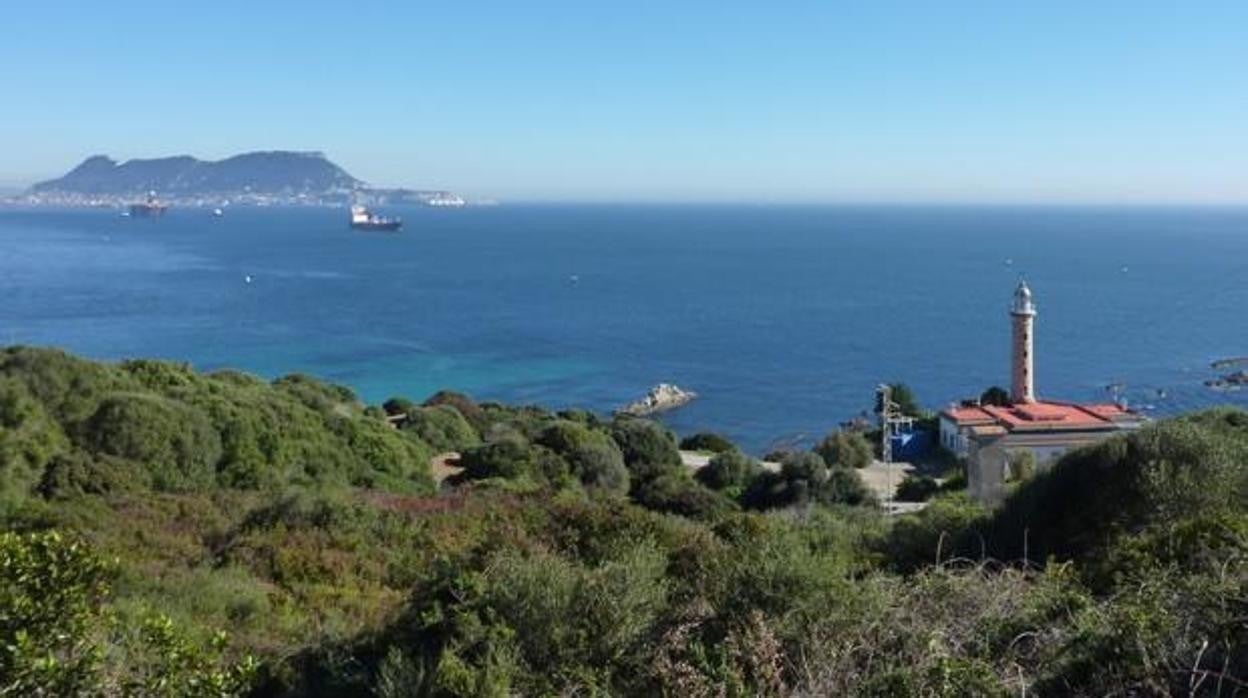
(782,318)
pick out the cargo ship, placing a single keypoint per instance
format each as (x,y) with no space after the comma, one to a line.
(148,209)
(363,219)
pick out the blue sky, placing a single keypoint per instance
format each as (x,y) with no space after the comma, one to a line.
(700,101)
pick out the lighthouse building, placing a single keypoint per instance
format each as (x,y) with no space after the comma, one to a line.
(1001,444)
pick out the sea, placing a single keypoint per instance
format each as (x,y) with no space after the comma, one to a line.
(782,318)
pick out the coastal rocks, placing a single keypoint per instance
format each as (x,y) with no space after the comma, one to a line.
(1232,381)
(661,398)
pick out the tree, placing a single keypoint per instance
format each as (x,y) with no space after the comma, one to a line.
(906,402)
(996,396)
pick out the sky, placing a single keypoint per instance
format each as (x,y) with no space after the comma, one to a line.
(997,102)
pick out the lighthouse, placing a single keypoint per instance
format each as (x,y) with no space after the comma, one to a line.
(992,436)
(1022,374)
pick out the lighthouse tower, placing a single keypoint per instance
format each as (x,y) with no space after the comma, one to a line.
(1022,318)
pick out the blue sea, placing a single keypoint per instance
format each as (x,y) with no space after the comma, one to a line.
(782,318)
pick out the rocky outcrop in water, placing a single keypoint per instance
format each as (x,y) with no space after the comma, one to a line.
(661,398)
(1231,381)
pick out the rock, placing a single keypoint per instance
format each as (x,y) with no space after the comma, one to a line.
(661,398)
(1232,381)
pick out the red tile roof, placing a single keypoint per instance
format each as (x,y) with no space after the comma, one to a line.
(967,415)
(1040,416)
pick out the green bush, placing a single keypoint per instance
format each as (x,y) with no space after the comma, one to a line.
(442,427)
(506,458)
(471,411)
(729,471)
(846,449)
(707,441)
(843,486)
(539,623)
(399,406)
(69,388)
(176,442)
(678,493)
(56,637)
(29,440)
(1195,466)
(917,488)
(50,630)
(316,394)
(592,455)
(945,529)
(804,479)
(648,448)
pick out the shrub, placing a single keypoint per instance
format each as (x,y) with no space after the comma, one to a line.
(680,494)
(507,458)
(539,624)
(917,488)
(729,470)
(50,591)
(648,448)
(592,455)
(846,449)
(29,440)
(803,466)
(463,404)
(315,394)
(945,529)
(68,387)
(707,441)
(1193,466)
(77,472)
(842,486)
(384,457)
(176,442)
(803,479)
(442,427)
(396,406)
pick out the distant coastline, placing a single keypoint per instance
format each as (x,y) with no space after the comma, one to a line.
(271,178)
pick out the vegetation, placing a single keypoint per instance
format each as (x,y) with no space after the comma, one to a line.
(706,441)
(917,488)
(147,508)
(846,449)
(995,395)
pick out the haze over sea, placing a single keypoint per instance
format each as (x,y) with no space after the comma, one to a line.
(783,319)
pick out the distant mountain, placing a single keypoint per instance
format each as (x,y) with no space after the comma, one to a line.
(278,173)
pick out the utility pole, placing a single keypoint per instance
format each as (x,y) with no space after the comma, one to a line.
(890,418)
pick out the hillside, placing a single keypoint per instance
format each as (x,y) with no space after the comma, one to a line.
(273,173)
(171,533)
